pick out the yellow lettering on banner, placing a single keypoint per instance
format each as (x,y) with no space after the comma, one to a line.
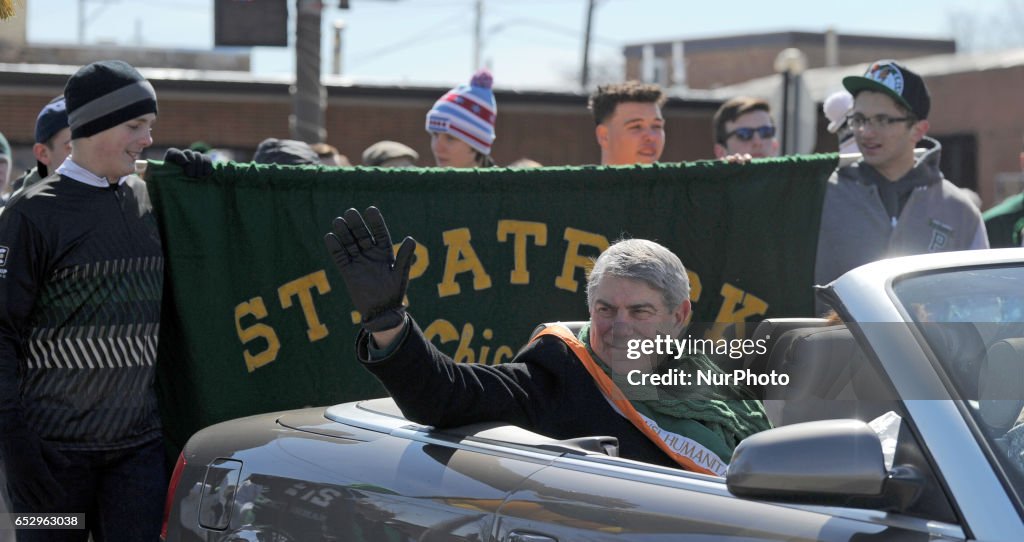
(573,258)
(487,334)
(502,353)
(301,288)
(465,354)
(443,330)
(737,306)
(520,231)
(257,308)
(695,286)
(460,259)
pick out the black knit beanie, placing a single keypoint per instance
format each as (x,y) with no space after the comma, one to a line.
(104,94)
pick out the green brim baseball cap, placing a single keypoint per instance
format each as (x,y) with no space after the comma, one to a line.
(896,81)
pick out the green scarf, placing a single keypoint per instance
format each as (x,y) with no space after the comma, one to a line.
(729,412)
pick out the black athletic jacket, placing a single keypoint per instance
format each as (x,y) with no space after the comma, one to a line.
(81,278)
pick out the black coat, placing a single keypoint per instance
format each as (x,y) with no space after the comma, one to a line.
(544,389)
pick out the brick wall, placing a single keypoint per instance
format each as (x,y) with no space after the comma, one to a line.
(720,68)
(987,105)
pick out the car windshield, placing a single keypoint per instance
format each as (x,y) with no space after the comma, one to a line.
(973,321)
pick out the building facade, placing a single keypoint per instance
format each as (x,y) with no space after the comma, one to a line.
(709,63)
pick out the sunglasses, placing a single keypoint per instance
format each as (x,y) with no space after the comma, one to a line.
(746,134)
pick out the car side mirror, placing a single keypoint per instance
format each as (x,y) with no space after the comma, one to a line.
(828,462)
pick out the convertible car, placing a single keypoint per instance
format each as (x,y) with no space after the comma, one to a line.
(901,422)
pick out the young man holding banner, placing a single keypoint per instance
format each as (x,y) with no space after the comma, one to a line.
(81,281)
(891,202)
(630,128)
(561,385)
(744,127)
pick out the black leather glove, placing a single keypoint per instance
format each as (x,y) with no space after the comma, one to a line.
(27,461)
(375,277)
(195,164)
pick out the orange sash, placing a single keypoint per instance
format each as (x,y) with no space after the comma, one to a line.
(688,453)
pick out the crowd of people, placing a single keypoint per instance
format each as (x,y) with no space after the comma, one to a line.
(73,437)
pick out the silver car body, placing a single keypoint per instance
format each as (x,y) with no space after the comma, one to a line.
(360,471)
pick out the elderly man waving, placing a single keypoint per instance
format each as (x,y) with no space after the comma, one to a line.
(562,386)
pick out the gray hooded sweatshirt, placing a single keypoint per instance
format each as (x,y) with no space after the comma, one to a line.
(919,213)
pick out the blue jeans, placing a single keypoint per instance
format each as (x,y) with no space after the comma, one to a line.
(121,493)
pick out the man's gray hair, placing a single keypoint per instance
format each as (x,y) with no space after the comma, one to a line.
(646,261)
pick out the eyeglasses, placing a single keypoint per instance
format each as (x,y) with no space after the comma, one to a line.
(857,122)
(746,134)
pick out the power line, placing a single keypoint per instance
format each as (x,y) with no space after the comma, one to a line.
(421,5)
(418,39)
(193,5)
(563,31)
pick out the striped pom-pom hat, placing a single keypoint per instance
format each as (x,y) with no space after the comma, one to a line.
(467,112)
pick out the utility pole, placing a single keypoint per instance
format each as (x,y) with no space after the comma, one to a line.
(792,63)
(477,34)
(81,22)
(585,71)
(82,17)
(339,26)
(308,95)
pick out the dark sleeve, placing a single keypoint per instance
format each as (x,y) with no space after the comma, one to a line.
(21,272)
(431,389)
(1000,228)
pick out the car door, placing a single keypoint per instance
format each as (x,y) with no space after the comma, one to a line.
(611,499)
(415,483)
(300,476)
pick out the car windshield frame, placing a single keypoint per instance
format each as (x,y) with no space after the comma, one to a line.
(864,295)
(959,315)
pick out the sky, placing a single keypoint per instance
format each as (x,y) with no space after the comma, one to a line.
(528,44)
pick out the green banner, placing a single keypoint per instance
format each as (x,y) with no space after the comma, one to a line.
(257,319)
